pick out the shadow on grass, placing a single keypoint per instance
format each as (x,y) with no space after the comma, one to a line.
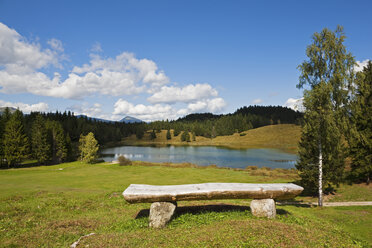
(200,209)
(295,203)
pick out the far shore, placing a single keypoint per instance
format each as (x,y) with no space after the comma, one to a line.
(284,137)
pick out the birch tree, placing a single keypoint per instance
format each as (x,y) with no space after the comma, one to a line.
(327,79)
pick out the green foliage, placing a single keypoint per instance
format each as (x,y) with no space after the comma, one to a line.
(124,161)
(361,137)
(153,135)
(140,131)
(193,136)
(177,129)
(88,148)
(39,141)
(329,74)
(185,136)
(16,146)
(168,135)
(320,126)
(58,141)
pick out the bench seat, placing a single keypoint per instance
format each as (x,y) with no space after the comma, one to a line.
(137,193)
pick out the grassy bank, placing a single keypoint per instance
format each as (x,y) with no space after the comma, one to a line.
(52,206)
(283,137)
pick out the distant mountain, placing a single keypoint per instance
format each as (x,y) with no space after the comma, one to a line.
(129,119)
(11,109)
(94,119)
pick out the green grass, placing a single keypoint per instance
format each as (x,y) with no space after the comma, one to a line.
(52,206)
(283,137)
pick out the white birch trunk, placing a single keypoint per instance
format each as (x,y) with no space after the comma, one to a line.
(320,199)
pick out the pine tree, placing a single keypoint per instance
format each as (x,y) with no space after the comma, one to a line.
(153,135)
(177,130)
(361,119)
(4,118)
(88,148)
(140,131)
(15,142)
(168,135)
(329,73)
(39,140)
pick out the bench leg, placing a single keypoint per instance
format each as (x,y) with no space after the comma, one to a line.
(161,213)
(263,208)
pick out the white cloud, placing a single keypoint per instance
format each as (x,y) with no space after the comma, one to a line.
(143,112)
(26,108)
(209,105)
(16,52)
(257,101)
(96,48)
(56,44)
(295,104)
(361,65)
(189,93)
(94,110)
(128,67)
(122,75)
(164,111)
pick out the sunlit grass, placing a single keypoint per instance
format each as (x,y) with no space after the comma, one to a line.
(52,206)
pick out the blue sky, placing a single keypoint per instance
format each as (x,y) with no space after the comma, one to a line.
(164,59)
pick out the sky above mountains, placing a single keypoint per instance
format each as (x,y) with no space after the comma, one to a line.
(164,59)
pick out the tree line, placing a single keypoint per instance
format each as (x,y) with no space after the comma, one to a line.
(210,126)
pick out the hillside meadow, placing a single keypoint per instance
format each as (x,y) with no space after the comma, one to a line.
(52,206)
(284,137)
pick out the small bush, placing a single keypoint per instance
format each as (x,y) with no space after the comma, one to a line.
(251,167)
(124,161)
(242,134)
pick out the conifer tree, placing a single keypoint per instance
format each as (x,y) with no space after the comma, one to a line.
(58,141)
(16,146)
(88,148)
(329,75)
(168,135)
(39,140)
(361,119)
(153,135)
(4,118)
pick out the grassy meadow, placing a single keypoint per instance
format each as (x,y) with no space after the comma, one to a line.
(284,137)
(52,206)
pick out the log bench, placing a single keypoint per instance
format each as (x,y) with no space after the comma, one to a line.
(164,198)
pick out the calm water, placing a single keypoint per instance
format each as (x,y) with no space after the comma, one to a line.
(204,155)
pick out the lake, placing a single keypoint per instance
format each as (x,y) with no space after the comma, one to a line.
(204,155)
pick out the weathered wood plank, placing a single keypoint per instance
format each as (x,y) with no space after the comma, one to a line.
(136,193)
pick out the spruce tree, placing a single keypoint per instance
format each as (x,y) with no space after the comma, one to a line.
(58,141)
(328,73)
(361,119)
(168,135)
(39,140)
(4,118)
(15,142)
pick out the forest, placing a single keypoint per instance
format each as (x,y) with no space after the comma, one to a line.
(23,135)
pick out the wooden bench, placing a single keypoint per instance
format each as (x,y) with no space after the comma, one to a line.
(164,198)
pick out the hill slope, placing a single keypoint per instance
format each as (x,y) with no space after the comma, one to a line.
(284,137)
